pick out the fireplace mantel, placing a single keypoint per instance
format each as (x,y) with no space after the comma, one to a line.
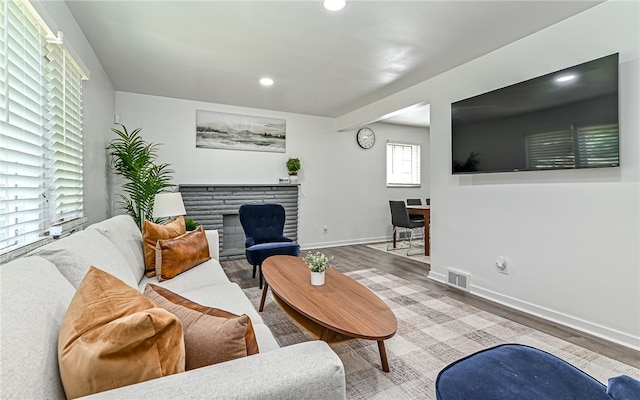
(242,185)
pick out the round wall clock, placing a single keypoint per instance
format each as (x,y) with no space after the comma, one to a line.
(366,138)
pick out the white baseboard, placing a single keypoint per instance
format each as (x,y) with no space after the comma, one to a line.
(591,328)
(320,245)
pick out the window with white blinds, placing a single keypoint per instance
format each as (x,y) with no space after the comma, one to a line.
(403,164)
(41,128)
(583,147)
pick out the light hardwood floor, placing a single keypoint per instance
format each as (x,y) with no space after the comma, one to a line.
(356,257)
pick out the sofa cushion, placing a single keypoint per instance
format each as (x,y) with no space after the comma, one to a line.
(206,275)
(264,337)
(34,297)
(151,233)
(177,255)
(228,297)
(309,370)
(211,335)
(123,232)
(113,336)
(74,255)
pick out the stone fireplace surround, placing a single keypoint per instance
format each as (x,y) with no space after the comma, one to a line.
(215,206)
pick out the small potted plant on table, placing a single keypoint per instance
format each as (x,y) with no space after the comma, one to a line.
(318,264)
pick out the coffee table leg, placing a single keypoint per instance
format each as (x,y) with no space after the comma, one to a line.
(264,296)
(383,356)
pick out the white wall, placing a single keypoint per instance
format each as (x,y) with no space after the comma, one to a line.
(98,109)
(341,185)
(572,237)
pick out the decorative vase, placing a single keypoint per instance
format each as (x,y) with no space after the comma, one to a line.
(293,178)
(317,278)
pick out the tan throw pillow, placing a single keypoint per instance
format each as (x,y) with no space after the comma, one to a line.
(113,336)
(211,335)
(174,256)
(151,233)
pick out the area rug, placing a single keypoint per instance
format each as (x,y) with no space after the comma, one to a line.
(433,331)
(402,252)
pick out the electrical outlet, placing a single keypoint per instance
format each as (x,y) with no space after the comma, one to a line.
(325,229)
(502,264)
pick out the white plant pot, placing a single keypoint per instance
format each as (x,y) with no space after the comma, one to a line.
(317,278)
(293,178)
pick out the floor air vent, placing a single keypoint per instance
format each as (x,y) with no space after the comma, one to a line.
(458,279)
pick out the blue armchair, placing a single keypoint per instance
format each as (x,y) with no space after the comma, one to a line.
(263,226)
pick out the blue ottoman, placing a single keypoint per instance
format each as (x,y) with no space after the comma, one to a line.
(516,372)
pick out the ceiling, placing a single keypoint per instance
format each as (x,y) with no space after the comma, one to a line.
(323,63)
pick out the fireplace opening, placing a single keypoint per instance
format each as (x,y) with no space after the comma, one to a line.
(232,236)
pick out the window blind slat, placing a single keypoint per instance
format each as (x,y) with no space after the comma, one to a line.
(27,187)
(26,204)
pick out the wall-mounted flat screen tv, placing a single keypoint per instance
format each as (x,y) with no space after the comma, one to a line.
(563,120)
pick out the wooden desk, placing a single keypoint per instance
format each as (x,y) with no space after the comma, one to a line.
(424,211)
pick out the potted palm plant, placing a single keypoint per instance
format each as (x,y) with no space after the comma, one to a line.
(293,166)
(135,160)
(318,264)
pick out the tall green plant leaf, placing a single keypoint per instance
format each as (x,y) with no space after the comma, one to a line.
(135,160)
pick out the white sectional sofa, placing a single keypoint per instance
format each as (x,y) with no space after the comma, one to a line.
(36,291)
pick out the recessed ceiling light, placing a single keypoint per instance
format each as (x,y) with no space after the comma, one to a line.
(334,5)
(565,78)
(266,81)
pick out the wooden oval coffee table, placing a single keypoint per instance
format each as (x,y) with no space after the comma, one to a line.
(340,310)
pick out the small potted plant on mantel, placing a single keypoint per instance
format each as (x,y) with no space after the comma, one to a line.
(293,166)
(318,264)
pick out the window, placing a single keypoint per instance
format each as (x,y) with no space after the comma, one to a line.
(403,164)
(41,128)
(591,146)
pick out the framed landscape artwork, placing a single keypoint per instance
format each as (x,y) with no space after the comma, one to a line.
(217,130)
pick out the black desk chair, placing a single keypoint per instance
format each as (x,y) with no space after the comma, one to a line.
(400,219)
